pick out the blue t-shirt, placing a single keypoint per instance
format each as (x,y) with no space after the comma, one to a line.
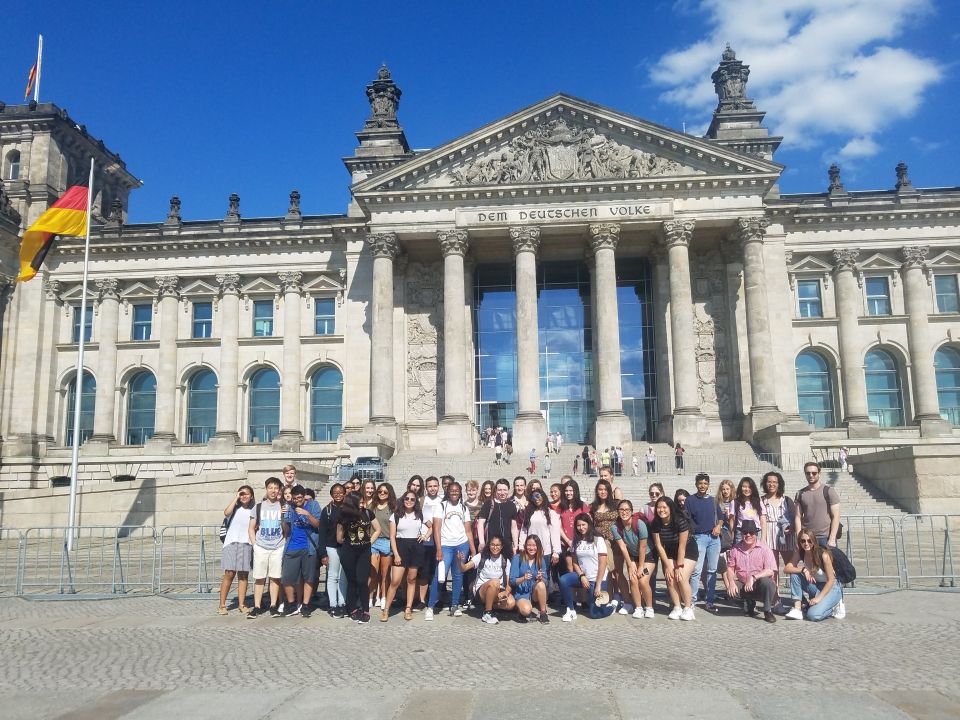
(300,527)
(703,513)
(632,539)
(520,566)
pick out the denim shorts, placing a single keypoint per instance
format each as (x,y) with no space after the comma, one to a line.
(381,547)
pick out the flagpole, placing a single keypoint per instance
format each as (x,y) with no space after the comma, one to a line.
(78,381)
(36,87)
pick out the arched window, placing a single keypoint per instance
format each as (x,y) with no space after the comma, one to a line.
(13,165)
(326,404)
(141,408)
(947,364)
(884,397)
(88,400)
(814,389)
(264,405)
(201,406)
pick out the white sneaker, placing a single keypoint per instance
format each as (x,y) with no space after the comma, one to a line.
(638,613)
(623,610)
(489,619)
(840,611)
(371,603)
(428,614)
(675,613)
(570,615)
(382,603)
(613,604)
(794,614)
(648,613)
(457,611)
(686,613)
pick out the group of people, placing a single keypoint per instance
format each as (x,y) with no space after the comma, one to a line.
(520,547)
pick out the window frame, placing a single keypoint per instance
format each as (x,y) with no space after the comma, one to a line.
(86,428)
(330,321)
(203,322)
(868,298)
(802,301)
(87,325)
(205,432)
(141,324)
(11,164)
(937,294)
(255,320)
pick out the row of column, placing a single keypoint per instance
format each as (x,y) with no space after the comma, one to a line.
(916,299)
(229,370)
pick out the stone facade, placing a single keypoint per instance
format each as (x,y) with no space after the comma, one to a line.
(745,280)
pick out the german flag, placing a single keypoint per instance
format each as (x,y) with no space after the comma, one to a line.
(67,216)
(31,78)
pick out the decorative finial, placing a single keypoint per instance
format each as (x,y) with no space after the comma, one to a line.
(728,54)
(115,218)
(233,213)
(836,186)
(384,97)
(294,210)
(903,180)
(173,216)
(730,82)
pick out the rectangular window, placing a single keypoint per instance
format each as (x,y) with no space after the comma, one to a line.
(87,324)
(808,295)
(263,318)
(878,296)
(948,296)
(324,316)
(142,322)
(202,320)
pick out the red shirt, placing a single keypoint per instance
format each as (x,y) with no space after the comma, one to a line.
(745,563)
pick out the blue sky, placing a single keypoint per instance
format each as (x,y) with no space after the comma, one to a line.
(204,99)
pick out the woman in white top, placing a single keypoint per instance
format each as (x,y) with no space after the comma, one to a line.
(236,558)
(452,535)
(589,576)
(492,586)
(407,533)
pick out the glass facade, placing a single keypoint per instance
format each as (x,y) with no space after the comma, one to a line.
(565,334)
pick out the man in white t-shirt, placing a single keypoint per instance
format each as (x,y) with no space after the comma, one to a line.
(432,503)
(266,536)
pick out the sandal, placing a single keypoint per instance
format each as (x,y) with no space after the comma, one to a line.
(408,614)
(244,609)
(384,615)
(221,610)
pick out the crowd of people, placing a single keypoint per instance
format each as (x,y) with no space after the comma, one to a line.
(525,549)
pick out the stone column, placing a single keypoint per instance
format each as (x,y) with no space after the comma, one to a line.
(529,428)
(763,393)
(916,293)
(105,410)
(164,434)
(612,427)
(689,424)
(385,248)
(849,304)
(228,415)
(455,434)
(290,434)
(661,337)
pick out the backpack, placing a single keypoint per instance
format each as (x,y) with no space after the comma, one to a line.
(844,570)
(225,525)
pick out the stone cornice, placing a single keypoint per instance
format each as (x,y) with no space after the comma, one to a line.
(935,207)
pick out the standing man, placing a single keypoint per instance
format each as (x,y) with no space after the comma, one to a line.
(818,509)
(547,466)
(432,506)
(707,517)
(558,444)
(533,461)
(289,476)
(499,518)
(299,566)
(266,536)
(651,459)
(750,569)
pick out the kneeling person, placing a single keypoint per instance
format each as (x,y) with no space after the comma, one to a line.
(751,567)
(491,588)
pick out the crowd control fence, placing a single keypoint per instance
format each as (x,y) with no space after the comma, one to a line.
(889,552)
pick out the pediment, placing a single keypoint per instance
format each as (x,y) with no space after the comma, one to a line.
(564,140)
(260,286)
(879,261)
(811,264)
(138,290)
(74,292)
(947,259)
(199,287)
(322,283)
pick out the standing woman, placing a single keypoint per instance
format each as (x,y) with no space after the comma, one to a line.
(778,516)
(570,506)
(487,491)
(811,572)
(678,452)
(381,556)
(726,497)
(357,528)
(415,484)
(603,509)
(368,494)
(589,575)
(677,549)
(556,492)
(528,576)
(336,581)
(748,506)
(407,533)
(544,522)
(236,558)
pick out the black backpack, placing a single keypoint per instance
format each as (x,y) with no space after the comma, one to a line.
(844,570)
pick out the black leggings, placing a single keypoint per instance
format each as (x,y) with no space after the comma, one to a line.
(355,565)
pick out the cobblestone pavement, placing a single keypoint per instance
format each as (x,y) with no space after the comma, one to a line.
(894,656)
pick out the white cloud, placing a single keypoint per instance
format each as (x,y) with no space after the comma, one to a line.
(859,147)
(818,67)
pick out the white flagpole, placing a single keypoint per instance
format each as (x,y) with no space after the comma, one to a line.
(36,86)
(78,382)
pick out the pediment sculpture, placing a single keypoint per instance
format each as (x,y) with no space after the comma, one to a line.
(561,150)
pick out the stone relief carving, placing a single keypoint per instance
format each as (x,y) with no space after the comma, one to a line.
(710,325)
(424,316)
(563,150)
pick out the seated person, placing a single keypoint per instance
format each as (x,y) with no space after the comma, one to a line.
(811,572)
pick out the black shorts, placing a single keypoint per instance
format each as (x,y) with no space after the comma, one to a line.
(411,552)
(299,566)
(428,567)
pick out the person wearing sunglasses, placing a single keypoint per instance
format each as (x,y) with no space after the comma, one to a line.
(811,573)
(381,555)
(751,567)
(818,508)
(407,533)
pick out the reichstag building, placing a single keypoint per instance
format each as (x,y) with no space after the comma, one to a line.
(566,268)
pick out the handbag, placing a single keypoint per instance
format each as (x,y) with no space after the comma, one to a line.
(726,539)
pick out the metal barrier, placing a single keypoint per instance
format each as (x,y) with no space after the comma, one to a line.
(872,544)
(189,559)
(11,545)
(930,543)
(105,560)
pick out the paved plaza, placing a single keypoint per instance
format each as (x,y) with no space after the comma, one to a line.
(894,656)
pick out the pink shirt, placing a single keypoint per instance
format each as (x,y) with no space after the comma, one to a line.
(549,534)
(745,563)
